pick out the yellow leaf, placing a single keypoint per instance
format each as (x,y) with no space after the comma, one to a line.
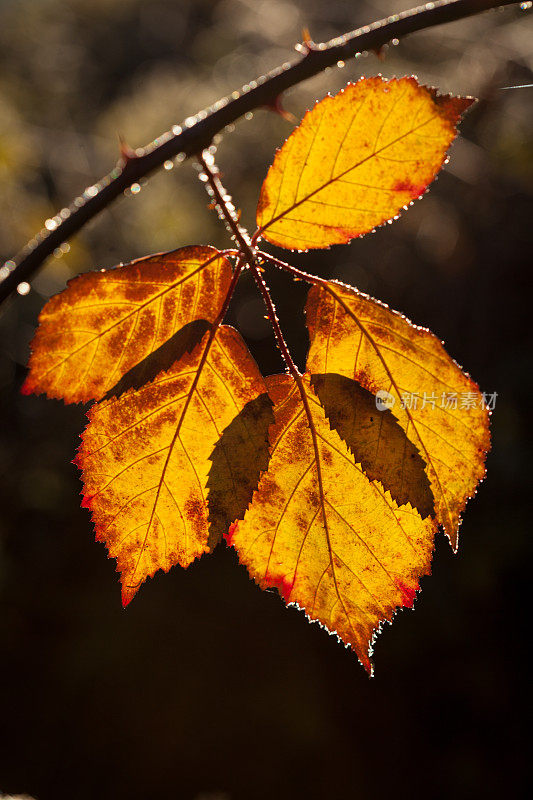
(106,322)
(444,415)
(145,457)
(376,440)
(326,536)
(355,161)
(238,460)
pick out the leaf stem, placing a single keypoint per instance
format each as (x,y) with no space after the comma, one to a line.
(248,255)
(297,273)
(239,234)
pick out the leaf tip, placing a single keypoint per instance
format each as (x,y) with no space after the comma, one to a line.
(408,593)
(453,107)
(230,534)
(128,593)
(26,388)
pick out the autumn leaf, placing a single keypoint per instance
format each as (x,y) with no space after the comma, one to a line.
(145,458)
(104,323)
(376,440)
(238,460)
(438,406)
(355,161)
(326,536)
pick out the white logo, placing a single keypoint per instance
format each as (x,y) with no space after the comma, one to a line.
(384,400)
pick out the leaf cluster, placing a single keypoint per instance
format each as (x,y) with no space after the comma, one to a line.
(329,485)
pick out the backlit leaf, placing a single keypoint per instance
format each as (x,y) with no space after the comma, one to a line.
(106,322)
(376,439)
(355,336)
(145,458)
(355,161)
(238,460)
(330,539)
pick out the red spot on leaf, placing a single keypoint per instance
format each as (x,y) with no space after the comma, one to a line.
(86,501)
(282,584)
(128,593)
(414,190)
(408,593)
(229,536)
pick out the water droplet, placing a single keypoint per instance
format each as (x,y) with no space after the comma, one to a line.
(176,130)
(135,188)
(525,6)
(91,191)
(189,122)
(340,64)
(50,224)
(168,165)
(395,42)
(23,288)
(179,158)
(248,115)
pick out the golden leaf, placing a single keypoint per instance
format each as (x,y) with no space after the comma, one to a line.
(145,457)
(355,161)
(106,322)
(377,441)
(238,460)
(439,407)
(320,531)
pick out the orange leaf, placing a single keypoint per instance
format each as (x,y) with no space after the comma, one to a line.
(327,537)
(355,161)
(355,336)
(377,441)
(106,322)
(145,458)
(238,460)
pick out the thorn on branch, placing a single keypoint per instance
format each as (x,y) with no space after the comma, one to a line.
(277,106)
(307,45)
(126,152)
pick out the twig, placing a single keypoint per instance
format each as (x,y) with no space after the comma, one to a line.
(197,133)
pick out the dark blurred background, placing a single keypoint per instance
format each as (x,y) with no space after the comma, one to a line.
(207,688)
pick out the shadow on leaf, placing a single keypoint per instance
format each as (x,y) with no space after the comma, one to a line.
(238,460)
(376,440)
(184,341)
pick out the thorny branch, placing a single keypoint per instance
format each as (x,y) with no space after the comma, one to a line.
(197,133)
